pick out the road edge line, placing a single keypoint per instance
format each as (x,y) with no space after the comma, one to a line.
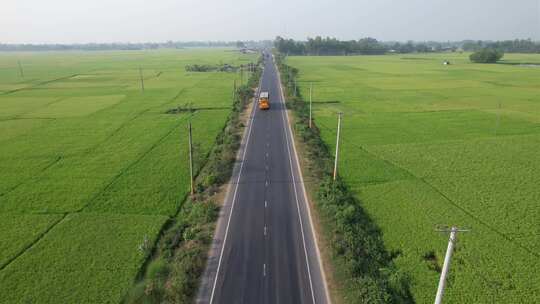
(253,111)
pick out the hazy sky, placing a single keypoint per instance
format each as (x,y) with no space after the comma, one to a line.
(77,21)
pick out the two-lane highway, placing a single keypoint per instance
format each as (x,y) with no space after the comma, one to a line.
(264,248)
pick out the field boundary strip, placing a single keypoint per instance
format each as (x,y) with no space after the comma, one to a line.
(484,223)
(130,165)
(51,164)
(127,122)
(97,145)
(21,115)
(39,84)
(448,199)
(115,178)
(139,114)
(35,241)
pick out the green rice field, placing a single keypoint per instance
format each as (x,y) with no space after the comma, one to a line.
(425,144)
(92,167)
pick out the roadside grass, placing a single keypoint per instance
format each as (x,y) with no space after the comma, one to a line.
(425,144)
(97,164)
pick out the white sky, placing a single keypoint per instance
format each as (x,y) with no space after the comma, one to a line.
(77,21)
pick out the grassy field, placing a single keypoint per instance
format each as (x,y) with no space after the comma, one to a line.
(425,144)
(92,167)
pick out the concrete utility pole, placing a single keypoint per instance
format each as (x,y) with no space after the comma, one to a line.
(191,158)
(446,266)
(290,79)
(337,145)
(310,101)
(142,79)
(498,119)
(241,74)
(20,69)
(234,91)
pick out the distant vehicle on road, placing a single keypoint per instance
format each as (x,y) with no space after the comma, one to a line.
(264,104)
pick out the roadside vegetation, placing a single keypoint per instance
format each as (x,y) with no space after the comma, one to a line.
(426,144)
(363,267)
(94,169)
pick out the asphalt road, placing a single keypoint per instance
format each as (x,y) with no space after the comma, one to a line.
(264,249)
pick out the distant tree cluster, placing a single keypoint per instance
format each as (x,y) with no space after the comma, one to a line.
(421,47)
(113,46)
(486,55)
(507,46)
(214,68)
(367,46)
(364,46)
(329,46)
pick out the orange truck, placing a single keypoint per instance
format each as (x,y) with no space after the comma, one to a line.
(264,103)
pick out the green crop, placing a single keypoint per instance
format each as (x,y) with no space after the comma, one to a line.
(425,144)
(93,167)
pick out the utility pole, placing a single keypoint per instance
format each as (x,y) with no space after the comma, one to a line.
(142,79)
(20,69)
(191,157)
(288,76)
(310,101)
(498,119)
(234,91)
(290,79)
(337,145)
(446,266)
(241,74)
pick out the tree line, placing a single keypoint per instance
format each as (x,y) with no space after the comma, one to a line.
(320,46)
(113,46)
(506,46)
(365,46)
(329,46)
